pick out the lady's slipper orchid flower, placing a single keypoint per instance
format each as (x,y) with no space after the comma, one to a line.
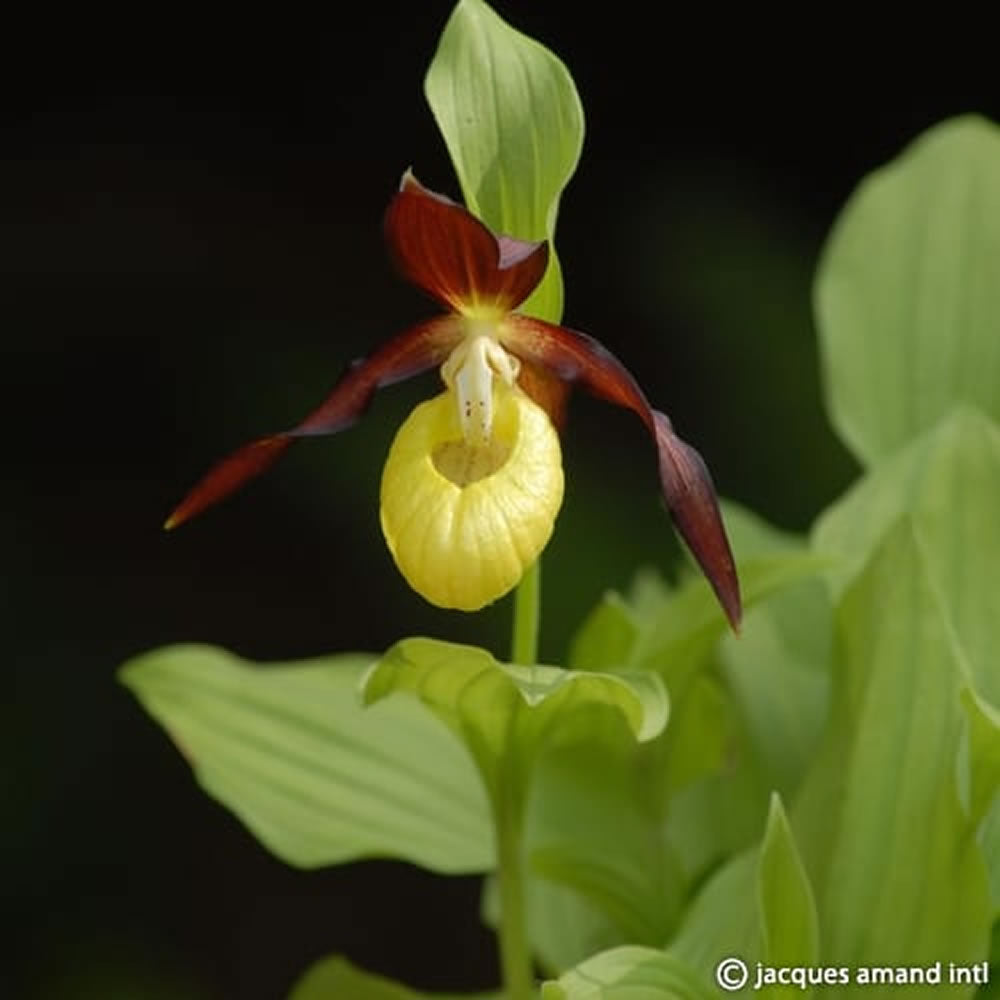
(473,481)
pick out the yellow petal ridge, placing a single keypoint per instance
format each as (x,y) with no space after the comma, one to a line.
(464,519)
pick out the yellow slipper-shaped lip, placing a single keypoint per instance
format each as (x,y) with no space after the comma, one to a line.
(464,520)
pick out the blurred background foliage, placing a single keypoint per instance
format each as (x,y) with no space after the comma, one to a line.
(190,252)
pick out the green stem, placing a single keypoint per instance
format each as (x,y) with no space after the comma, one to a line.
(527,615)
(515,958)
(508,810)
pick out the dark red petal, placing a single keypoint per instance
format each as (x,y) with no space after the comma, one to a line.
(549,391)
(410,353)
(447,252)
(687,485)
(229,475)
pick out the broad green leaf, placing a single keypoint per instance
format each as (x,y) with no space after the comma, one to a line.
(880,802)
(672,629)
(607,636)
(788,922)
(506,713)
(685,624)
(777,673)
(513,124)
(981,781)
(600,871)
(604,869)
(700,782)
(982,750)
(593,826)
(719,815)
(989,840)
(897,875)
(777,667)
(949,482)
(334,978)
(566,927)
(769,719)
(798,606)
(676,628)
(907,297)
(725,751)
(723,920)
(752,537)
(629,973)
(516,720)
(706,779)
(316,777)
(702,734)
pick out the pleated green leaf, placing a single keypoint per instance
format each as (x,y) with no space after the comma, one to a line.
(592,828)
(607,636)
(777,669)
(553,746)
(603,867)
(665,815)
(891,853)
(318,778)
(907,297)
(629,973)
(673,629)
(981,781)
(725,749)
(723,920)
(513,124)
(676,628)
(781,686)
(334,978)
(983,754)
(989,841)
(506,713)
(566,927)
(948,481)
(788,921)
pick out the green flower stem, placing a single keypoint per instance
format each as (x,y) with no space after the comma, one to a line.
(515,957)
(527,614)
(508,810)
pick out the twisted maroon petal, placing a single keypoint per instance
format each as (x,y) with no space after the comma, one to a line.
(549,391)
(687,485)
(443,249)
(419,348)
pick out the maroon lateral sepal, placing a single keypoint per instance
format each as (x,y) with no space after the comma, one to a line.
(546,389)
(418,349)
(228,475)
(694,508)
(684,477)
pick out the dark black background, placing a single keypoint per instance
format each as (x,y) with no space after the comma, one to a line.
(190,251)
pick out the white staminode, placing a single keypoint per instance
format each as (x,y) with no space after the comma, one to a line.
(469,372)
